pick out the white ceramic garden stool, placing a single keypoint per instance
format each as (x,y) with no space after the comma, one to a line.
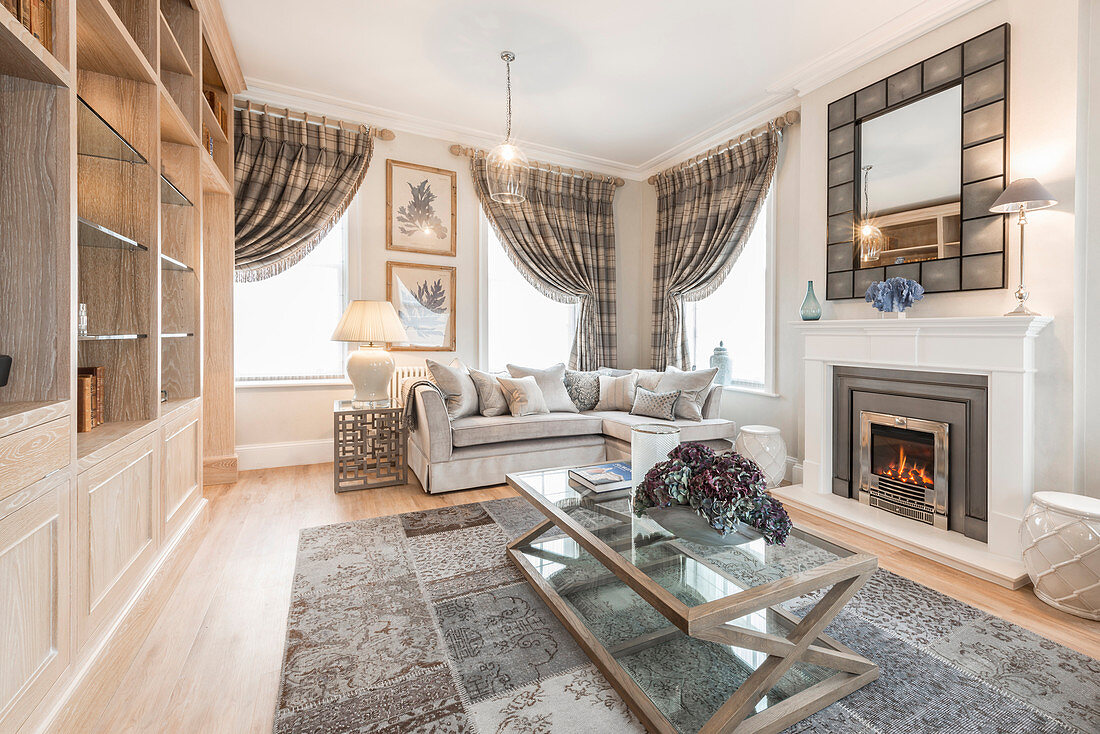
(1060,536)
(765,446)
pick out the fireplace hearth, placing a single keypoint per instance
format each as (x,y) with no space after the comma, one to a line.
(903,466)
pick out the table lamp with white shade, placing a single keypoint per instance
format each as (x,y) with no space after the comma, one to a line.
(1022,195)
(371,324)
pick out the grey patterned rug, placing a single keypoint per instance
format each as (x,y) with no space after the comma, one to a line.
(419,623)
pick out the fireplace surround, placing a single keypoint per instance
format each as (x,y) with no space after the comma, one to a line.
(990,484)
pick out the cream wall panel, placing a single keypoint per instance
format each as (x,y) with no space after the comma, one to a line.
(116,529)
(34,601)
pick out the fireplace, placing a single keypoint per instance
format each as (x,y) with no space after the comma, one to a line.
(903,466)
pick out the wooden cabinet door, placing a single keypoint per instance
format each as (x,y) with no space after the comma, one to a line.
(34,600)
(116,531)
(181,469)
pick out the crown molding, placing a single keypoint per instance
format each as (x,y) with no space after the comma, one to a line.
(262,91)
(783,94)
(894,33)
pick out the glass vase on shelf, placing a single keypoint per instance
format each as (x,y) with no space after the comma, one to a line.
(811,308)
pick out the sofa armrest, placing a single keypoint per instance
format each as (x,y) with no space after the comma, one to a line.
(433,425)
(712,406)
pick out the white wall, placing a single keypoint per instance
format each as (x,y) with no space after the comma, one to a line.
(1044,116)
(288,425)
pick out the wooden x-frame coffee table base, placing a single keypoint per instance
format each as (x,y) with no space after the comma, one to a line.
(806,642)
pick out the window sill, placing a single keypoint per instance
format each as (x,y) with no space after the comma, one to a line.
(305,382)
(758,391)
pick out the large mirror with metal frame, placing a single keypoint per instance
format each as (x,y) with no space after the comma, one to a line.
(914,162)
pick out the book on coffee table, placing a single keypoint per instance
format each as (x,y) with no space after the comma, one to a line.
(602,477)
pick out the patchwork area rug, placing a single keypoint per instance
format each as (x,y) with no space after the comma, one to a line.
(420,623)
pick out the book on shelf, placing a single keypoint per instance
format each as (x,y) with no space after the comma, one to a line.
(36,16)
(98,379)
(607,477)
(84,403)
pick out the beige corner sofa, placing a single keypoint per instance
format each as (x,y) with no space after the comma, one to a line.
(477,451)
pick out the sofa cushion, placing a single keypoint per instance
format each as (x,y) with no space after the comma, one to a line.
(617,393)
(523,395)
(459,392)
(618,424)
(583,388)
(490,398)
(551,382)
(477,429)
(694,388)
(655,404)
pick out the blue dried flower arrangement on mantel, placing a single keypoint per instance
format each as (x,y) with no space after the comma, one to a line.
(894,294)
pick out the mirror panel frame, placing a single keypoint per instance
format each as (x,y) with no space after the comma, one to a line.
(979,65)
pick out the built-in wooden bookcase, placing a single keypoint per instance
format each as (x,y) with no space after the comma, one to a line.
(107,199)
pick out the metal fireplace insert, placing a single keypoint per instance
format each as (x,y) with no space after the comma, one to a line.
(903,466)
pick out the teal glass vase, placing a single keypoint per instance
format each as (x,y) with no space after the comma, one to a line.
(811,308)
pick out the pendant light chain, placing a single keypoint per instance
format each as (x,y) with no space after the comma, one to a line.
(508,56)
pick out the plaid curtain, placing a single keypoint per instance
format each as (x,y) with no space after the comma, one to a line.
(705,213)
(294,180)
(562,240)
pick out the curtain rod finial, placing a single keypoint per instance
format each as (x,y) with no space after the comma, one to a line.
(456,149)
(385,134)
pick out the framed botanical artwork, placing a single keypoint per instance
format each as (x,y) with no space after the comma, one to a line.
(424,298)
(421,204)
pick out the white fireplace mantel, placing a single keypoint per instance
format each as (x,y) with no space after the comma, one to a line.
(1003,349)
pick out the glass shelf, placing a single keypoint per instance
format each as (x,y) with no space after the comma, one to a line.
(96,138)
(111,337)
(169,194)
(177,335)
(171,263)
(90,234)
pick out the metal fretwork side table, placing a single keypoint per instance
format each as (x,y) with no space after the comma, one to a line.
(368,447)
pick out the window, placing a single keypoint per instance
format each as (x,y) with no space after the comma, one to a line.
(282,325)
(524,326)
(738,313)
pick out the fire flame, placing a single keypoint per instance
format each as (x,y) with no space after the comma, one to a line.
(909,473)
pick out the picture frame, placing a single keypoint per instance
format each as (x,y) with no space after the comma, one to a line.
(425,301)
(420,217)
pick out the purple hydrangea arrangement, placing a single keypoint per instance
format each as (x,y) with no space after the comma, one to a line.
(894,294)
(725,490)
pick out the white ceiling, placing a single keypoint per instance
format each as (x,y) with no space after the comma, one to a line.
(625,84)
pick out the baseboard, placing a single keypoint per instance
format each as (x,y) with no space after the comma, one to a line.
(77,676)
(219,469)
(794,470)
(292,453)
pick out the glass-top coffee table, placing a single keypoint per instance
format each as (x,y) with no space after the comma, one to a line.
(695,638)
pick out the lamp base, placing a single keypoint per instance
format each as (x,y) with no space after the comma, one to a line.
(370,370)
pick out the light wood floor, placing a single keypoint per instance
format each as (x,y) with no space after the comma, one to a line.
(202,653)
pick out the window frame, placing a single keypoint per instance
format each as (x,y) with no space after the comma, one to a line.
(332,380)
(767,389)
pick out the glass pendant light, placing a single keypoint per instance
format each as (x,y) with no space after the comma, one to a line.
(871,240)
(506,165)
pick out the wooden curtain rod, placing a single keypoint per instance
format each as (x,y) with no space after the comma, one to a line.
(457,149)
(380,133)
(787,119)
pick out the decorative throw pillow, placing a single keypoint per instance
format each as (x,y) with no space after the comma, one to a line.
(655,404)
(583,389)
(648,379)
(523,395)
(612,372)
(490,398)
(551,382)
(617,393)
(459,392)
(693,387)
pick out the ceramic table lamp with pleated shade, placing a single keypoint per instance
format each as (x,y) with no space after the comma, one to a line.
(371,324)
